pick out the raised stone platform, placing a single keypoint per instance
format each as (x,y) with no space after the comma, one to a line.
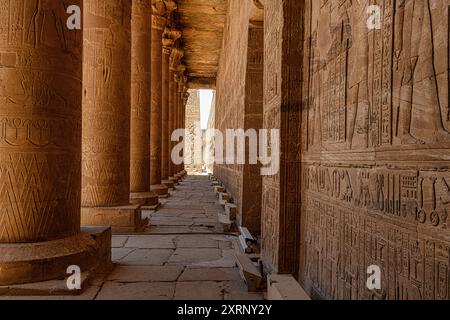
(148,199)
(285,287)
(161,190)
(174,179)
(169,184)
(121,219)
(41,268)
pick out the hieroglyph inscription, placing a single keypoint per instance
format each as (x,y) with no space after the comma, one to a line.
(375,165)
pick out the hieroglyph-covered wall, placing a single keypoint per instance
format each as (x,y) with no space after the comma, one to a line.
(375,159)
(193,158)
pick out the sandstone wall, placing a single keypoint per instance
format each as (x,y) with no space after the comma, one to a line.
(193,126)
(208,149)
(283,45)
(375,177)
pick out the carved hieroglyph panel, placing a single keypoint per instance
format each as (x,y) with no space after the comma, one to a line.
(193,127)
(376,170)
(40,122)
(158,24)
(106,103)
(140,95)
(249,209)
(282,102)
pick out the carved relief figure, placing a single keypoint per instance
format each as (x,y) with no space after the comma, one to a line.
(419,96)
(359,104)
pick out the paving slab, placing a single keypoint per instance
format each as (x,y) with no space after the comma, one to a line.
(137,291)
(147,257)
(145,273)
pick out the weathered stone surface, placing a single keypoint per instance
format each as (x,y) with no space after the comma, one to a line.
(193,158)
(151,242)
(141,24)
(120,253)
(141,31)
(196,241)
(106,103)
(212,274)
(40,141)
(121,219)
(198,290)
(241,65)
(165,78)
(129,274)
(119,241)
(40,121)
(137,291)
(375,135)
(159,23)
(190,256)
(281,193)
(147,257)
(203,22)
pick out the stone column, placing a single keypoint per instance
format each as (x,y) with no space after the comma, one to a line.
(171,124)
(165,144)
(177,124)
(158,25)
(175,59)
(181,102)
(40,146)
(106,116)
(140,104)
(183,121)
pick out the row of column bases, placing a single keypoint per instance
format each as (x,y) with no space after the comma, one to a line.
(86,123)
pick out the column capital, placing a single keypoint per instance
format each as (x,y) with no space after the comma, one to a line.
(259,4)
(158,22)
(173,34)
(163,8)
(167,44)
(179,72)
(257,12)
(175,59)
(182,81)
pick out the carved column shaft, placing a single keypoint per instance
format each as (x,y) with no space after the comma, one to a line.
(167,49)
(40,145)
(140,95)
(106,104)
(158,25)
(183,119)
(175,115)
(180,115)
(183,101)
(40,122)
(171,122)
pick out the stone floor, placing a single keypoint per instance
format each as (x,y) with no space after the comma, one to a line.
(183,254)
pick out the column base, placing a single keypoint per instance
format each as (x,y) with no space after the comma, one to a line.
(41,268)
(169,184)
(174,180)
(121,219)
(161,190)
(146,199)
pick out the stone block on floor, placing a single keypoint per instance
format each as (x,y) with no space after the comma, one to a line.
(121,219)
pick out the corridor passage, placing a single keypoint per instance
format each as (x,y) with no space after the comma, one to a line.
(183,255)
